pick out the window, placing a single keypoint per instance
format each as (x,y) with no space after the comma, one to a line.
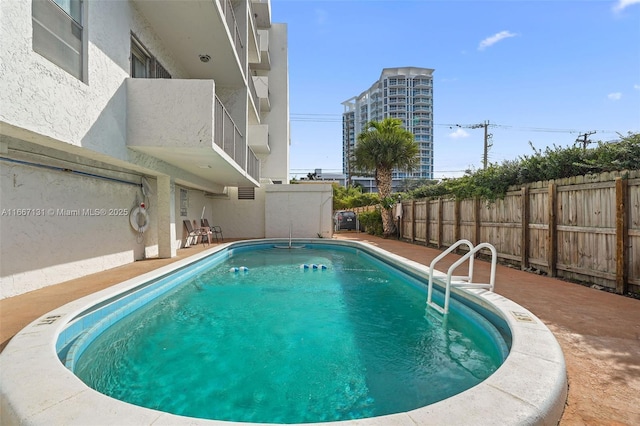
(184,202)
(143,64)
(140,61)
(58,33)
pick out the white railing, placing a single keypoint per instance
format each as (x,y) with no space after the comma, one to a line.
(463,281)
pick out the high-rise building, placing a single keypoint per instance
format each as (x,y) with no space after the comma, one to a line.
(405,93)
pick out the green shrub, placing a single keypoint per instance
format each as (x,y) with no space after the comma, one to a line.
(371,222)
(348,198)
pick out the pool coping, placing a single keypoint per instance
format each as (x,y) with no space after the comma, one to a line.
(529,388)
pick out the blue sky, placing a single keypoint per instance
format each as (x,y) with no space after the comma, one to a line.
(543,71)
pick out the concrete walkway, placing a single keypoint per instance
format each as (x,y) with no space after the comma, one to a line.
(599,332)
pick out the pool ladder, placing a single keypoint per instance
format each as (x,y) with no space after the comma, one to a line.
(460,281)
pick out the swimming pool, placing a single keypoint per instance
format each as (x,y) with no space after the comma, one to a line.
(510,383)
(320,333)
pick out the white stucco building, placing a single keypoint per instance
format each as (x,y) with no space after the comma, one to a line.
(405,93)
(104,105)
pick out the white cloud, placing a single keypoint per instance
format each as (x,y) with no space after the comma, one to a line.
(458,134)
(623,4)
(489,41)
(636,86)
(615,96)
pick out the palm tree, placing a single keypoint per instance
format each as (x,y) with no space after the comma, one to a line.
(383,146)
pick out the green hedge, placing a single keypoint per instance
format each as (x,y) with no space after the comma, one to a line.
(371,222)
(551,163)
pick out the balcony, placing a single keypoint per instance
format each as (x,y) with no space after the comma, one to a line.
(398,100)
(183,123)
(259,139)
(189,29)
(399,82)
(265,58)
(421,82)
(422,108)
(261,85)
(262,12)
(422,100)
(234,29)
(253,42)
(254,108)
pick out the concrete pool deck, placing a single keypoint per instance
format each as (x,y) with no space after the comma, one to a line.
(598,332)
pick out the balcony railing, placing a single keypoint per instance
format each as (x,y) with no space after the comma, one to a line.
(422,100)
(254,94)
(260,85)
(253,165)
(422,83)
(263,43)
(232,24)
(228,137)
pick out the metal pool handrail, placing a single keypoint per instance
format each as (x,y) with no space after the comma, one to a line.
(433,265)
(461,281)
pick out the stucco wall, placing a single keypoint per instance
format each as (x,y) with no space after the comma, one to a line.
(90,114)
(189,125)
(50,230)
(60,225)
(276,165)
(305,209)
(239,218)
(83,121)
(60,121)
(196,202)
(44,104)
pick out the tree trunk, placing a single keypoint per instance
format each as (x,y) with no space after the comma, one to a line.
(383,182)
(388,223)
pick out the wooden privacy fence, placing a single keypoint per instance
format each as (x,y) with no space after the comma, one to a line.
(585,228)
(363,209)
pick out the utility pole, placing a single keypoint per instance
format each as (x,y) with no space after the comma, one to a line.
(584,140)
(487,139)
(487,144)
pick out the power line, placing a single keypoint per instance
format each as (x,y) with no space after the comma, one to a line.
(337,118)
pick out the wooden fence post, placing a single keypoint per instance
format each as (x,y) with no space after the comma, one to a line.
(476,217)
(413,221)
(456,220)
(622,265)
(552,236)
(524,249)
(427,233)
(401,220)
(440,224)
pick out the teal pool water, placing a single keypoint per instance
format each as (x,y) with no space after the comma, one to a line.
(283,344)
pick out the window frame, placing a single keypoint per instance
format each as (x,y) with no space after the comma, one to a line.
(60,35)
(153,68)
